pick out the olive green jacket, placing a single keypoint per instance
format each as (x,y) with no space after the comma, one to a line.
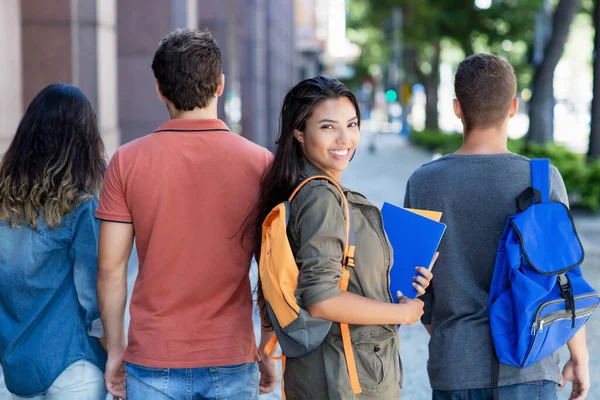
(317,234)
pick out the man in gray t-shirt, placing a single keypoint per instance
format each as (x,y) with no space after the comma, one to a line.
(476,189)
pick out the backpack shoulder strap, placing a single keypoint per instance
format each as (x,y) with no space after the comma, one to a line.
(350,235)
(540,177)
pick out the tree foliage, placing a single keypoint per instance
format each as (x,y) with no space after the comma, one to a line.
(506,28)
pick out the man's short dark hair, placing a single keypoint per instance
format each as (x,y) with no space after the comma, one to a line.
(485,86)
(187,67)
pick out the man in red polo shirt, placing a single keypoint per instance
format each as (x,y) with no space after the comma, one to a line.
(184,192)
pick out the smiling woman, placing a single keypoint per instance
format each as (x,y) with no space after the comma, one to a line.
(358,357)
(331,136)
(315,111)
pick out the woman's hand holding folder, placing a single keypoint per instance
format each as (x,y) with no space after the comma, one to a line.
(414,307)
(421,282)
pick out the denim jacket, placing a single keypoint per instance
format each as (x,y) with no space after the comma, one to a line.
(49,315)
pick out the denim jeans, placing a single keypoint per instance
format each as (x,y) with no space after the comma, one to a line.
(231,382)
(81,380)
(536,390)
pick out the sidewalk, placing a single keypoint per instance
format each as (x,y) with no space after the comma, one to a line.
(382,177)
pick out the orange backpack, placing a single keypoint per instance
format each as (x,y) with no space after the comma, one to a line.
(296,331)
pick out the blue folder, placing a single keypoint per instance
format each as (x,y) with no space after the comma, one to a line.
(415,240)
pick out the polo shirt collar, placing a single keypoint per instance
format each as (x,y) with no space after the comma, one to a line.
(193,125)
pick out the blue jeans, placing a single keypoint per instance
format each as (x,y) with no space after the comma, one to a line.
(80,380)
(537,390)
(218,383)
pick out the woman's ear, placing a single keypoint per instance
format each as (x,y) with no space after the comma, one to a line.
(299,135)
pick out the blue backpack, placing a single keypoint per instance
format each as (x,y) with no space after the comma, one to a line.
(538,297)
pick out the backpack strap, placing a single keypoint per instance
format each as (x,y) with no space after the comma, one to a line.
(540,177)
(347,261)
(350,247)
(269,352)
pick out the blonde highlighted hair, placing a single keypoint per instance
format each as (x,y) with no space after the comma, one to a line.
(55,161)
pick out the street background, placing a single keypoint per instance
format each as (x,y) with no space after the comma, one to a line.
(398,56)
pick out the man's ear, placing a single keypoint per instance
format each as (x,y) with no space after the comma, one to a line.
(299,135)
(161,97)
(221,87)
(457,109)
(514,108)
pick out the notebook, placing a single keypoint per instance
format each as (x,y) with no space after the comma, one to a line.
(415,236)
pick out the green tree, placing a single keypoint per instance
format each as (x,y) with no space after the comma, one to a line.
(541,126)
(505,28)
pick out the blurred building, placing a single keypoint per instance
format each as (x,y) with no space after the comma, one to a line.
(106,47)
(321,43)
(310,38)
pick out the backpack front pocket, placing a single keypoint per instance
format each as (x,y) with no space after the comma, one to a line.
(553,323)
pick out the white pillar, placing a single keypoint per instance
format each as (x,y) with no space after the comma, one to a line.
(192,14)
(108,99)
(10,71)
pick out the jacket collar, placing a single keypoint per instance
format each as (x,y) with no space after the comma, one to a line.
(310,170)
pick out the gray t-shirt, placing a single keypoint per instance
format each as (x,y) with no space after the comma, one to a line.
(476,194)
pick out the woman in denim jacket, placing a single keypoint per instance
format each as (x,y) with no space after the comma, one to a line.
(49,320)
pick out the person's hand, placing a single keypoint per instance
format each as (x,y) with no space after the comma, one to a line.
(268,375)
(411,311)
(114,376)
(579,374)
(421,282)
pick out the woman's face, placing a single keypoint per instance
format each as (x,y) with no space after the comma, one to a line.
(331,136)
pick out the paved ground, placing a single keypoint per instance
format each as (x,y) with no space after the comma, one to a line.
(381,177)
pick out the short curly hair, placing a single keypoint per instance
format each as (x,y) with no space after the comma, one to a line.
(485,86)
(187,66)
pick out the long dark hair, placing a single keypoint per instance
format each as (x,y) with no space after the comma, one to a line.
(55,161)
(282,176)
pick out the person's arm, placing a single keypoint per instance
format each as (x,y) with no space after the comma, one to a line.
(350,308)
(84,253)
(319,227)
(269,374)
(116,242)
(427,312)
(577,368)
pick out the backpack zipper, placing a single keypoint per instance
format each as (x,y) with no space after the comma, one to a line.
(561,316)
(584,312)
(542,306)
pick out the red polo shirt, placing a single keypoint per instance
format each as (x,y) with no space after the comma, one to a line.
(187,189)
